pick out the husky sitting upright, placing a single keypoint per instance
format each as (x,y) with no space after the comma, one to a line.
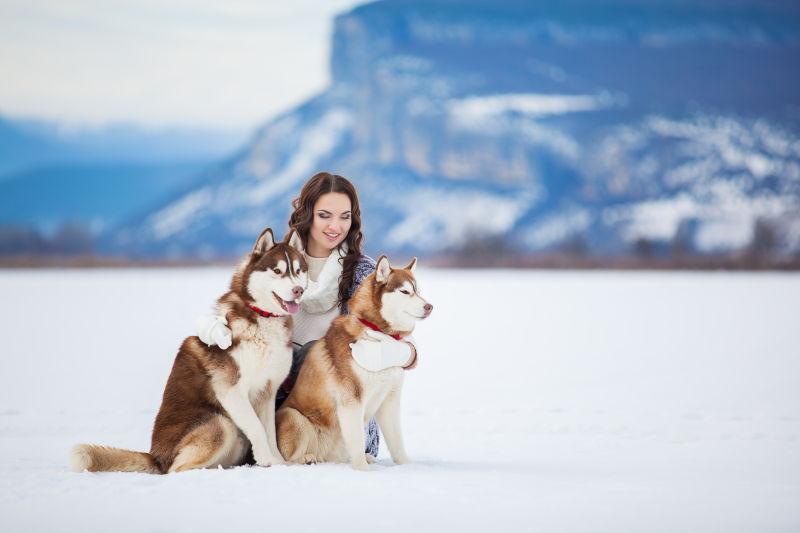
(324,416)
(219,402)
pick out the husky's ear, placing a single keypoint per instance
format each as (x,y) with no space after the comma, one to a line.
(382,270)
(412,265)
(296,242)
(264,242)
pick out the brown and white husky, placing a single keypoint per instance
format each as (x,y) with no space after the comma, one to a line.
(218,403)
(324,416)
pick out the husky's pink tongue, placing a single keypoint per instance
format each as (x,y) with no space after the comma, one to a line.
(292,307)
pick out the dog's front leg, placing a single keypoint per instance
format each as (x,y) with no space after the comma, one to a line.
(388,418)
(351,416)
(266,413)
(241,412)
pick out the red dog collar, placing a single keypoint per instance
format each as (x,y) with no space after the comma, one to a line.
(263,313)
(373,327)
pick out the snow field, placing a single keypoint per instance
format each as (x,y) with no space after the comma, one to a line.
(543,401)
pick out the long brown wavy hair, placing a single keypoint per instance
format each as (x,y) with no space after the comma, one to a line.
(302,218)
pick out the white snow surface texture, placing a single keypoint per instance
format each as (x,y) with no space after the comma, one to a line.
(543,401)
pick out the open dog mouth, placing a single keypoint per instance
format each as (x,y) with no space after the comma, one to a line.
(289,306)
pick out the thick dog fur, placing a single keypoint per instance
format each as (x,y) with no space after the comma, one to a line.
(217,404)
(324,416)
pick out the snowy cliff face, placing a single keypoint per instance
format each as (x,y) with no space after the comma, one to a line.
(608,122)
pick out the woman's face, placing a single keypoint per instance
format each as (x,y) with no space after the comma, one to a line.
(331,223)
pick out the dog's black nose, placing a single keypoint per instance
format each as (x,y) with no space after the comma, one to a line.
(297,292)
(428,308)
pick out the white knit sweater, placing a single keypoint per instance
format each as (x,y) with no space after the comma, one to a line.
(312,326)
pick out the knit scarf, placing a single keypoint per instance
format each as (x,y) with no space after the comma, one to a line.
(321,296)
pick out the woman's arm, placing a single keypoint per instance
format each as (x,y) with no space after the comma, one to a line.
(215,329)
(378,352)
(364,267)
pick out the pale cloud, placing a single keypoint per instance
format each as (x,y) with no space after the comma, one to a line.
(203,63)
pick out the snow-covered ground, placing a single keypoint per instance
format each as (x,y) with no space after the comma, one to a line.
(544,401)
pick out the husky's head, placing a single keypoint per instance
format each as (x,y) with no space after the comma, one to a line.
(390,298)
(274,275)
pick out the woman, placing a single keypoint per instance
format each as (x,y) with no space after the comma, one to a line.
(327,217)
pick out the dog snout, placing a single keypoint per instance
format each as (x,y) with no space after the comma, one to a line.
(428,308)
(297,292)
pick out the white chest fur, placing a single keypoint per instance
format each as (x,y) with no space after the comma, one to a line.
(263,354)
(377,385)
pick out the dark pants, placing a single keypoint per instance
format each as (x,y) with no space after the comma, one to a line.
(299,353)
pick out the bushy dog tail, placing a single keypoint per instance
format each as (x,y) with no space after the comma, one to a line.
(106,459)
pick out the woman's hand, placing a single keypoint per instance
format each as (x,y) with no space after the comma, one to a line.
(379,351)
(413,346)
(213,330)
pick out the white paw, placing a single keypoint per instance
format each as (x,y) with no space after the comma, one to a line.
(370,459)
(360,465)
(266,459)
(402,460)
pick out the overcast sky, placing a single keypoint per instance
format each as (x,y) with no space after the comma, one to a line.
(210,63)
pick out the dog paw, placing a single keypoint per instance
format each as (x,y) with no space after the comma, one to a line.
(370,459)
(267,460)
(403,460)
(363,466)
(309,459)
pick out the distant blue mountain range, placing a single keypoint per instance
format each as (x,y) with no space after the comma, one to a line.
(617,125)
(97,177)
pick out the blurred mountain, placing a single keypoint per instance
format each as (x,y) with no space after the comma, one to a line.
(97,176)
(604,127)
(96,194)
(27,143)
(21,145)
